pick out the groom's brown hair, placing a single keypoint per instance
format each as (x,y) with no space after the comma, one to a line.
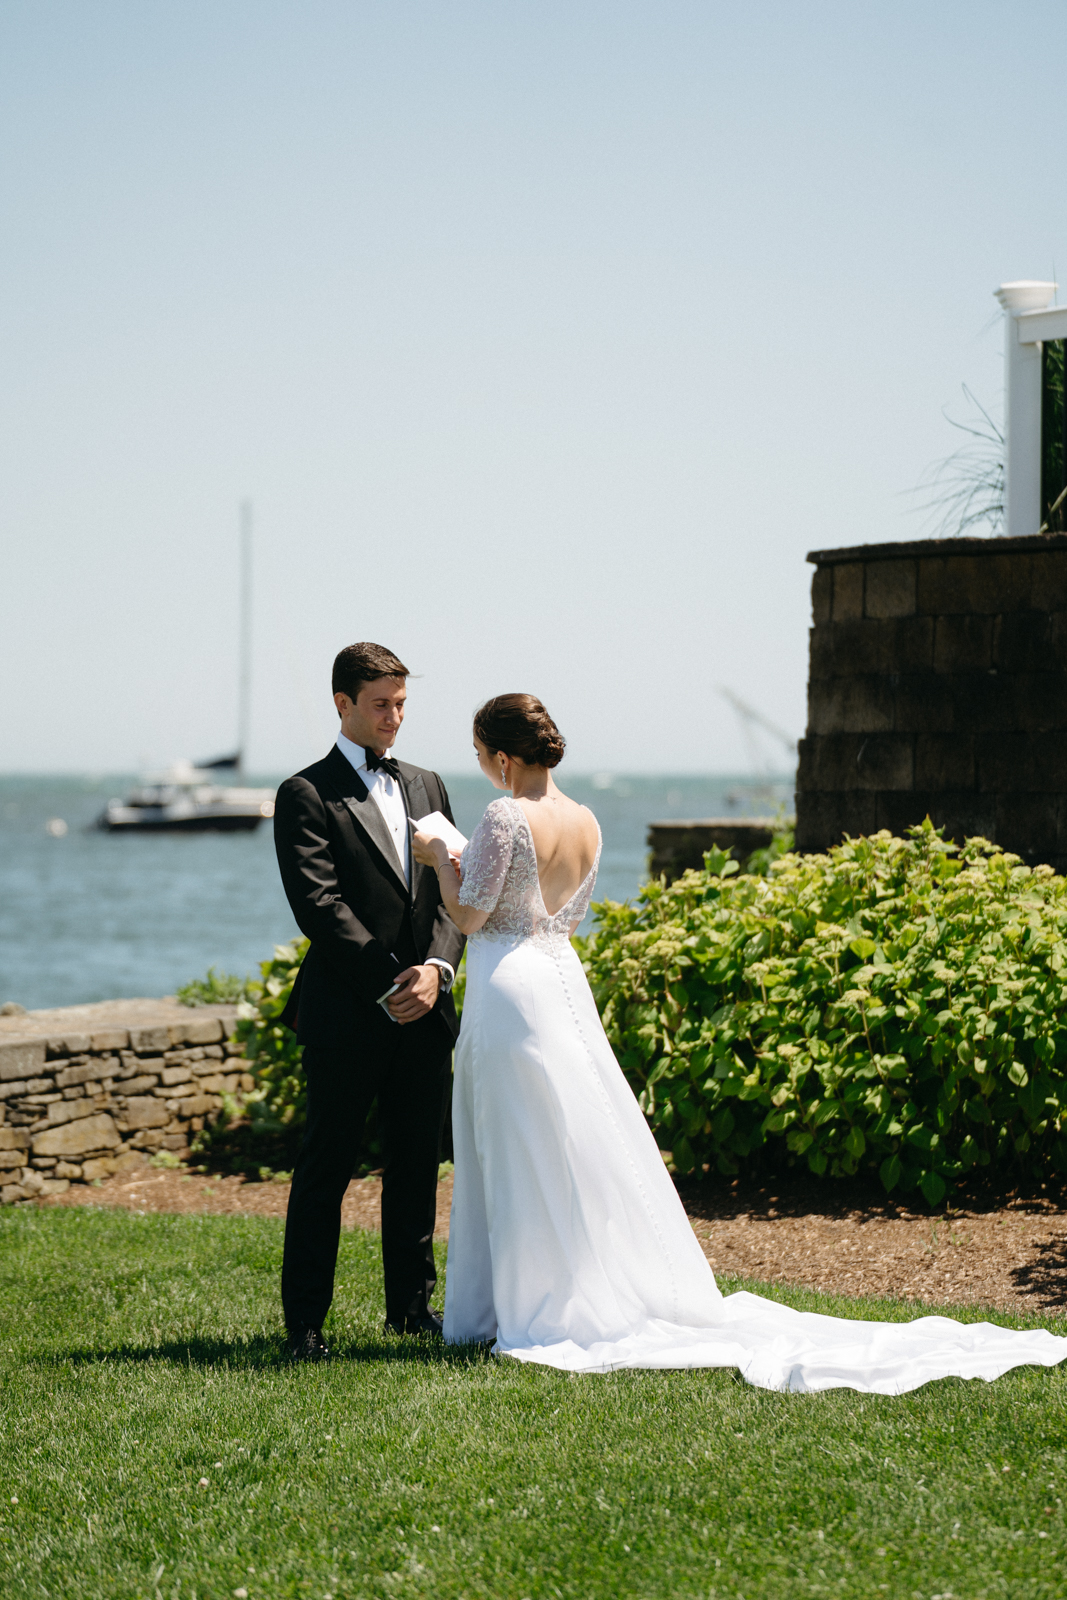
(358,664)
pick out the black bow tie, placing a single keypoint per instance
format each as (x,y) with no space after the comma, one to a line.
(377,763)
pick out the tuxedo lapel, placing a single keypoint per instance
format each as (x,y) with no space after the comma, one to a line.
(418,804)
(364,811)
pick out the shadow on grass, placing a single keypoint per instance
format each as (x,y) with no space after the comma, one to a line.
(1045,1277)
(265,1352)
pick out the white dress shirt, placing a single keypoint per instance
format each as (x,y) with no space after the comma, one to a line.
(388,796)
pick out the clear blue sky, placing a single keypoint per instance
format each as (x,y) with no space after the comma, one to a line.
(546,339)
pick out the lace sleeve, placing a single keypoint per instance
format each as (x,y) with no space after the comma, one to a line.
(486,858)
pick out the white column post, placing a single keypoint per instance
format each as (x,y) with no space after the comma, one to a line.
(1022,409)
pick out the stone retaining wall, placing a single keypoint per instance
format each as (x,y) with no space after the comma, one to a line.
(78,1103)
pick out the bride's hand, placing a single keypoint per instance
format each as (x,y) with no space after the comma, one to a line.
(428,850)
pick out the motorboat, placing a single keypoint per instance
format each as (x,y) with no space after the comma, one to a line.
(188,798)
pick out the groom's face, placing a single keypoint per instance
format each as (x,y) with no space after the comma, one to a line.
(373,718)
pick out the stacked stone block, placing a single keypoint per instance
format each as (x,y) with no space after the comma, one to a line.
(77,1107)
(938,686)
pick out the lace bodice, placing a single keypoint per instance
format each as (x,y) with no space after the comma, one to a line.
(499,866)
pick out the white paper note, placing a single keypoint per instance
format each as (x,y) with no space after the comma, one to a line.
(438,826)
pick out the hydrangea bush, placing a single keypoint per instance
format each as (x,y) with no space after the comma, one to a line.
(895,1005)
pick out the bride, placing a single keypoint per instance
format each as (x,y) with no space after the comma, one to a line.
(568,1244)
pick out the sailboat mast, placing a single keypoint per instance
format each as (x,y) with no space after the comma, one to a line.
(244,685)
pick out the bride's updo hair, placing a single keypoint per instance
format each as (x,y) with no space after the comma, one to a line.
(519,726)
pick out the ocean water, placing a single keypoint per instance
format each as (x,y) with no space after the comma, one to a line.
(95,916)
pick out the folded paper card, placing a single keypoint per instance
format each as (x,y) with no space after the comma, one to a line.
(438,826)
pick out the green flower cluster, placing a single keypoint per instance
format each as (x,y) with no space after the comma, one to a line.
(895,1005)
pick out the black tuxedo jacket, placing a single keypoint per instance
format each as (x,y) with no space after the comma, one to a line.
(340,874)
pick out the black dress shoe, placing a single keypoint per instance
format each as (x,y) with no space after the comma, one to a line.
(307,1344)
(429,1325)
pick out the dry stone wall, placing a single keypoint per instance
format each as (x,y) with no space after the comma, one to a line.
(79,1102)
(938,686)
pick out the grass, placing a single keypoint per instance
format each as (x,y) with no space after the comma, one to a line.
(139,1355)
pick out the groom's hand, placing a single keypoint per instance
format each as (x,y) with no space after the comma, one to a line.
(417,993)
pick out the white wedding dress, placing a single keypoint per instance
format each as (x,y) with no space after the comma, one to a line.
(568,1244)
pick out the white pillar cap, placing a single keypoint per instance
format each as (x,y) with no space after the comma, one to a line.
(1025,295)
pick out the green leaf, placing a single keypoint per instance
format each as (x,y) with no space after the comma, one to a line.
(864,948)
(933,1187)
(722,1124)
(682,1154)
(824,1111)
(889,1172)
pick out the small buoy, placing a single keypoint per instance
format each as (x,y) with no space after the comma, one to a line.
(56,827)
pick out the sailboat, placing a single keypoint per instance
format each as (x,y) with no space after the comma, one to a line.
(190,797)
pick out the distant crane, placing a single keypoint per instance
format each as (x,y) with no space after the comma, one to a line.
(750,719)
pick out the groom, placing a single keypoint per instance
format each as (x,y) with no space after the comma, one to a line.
(372,1003)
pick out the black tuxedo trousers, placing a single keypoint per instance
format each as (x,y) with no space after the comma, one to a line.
(410,1072)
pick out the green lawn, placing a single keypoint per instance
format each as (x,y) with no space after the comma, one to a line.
(140,1355)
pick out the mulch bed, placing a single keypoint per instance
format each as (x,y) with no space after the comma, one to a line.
(168,1189)
(1008,1254)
